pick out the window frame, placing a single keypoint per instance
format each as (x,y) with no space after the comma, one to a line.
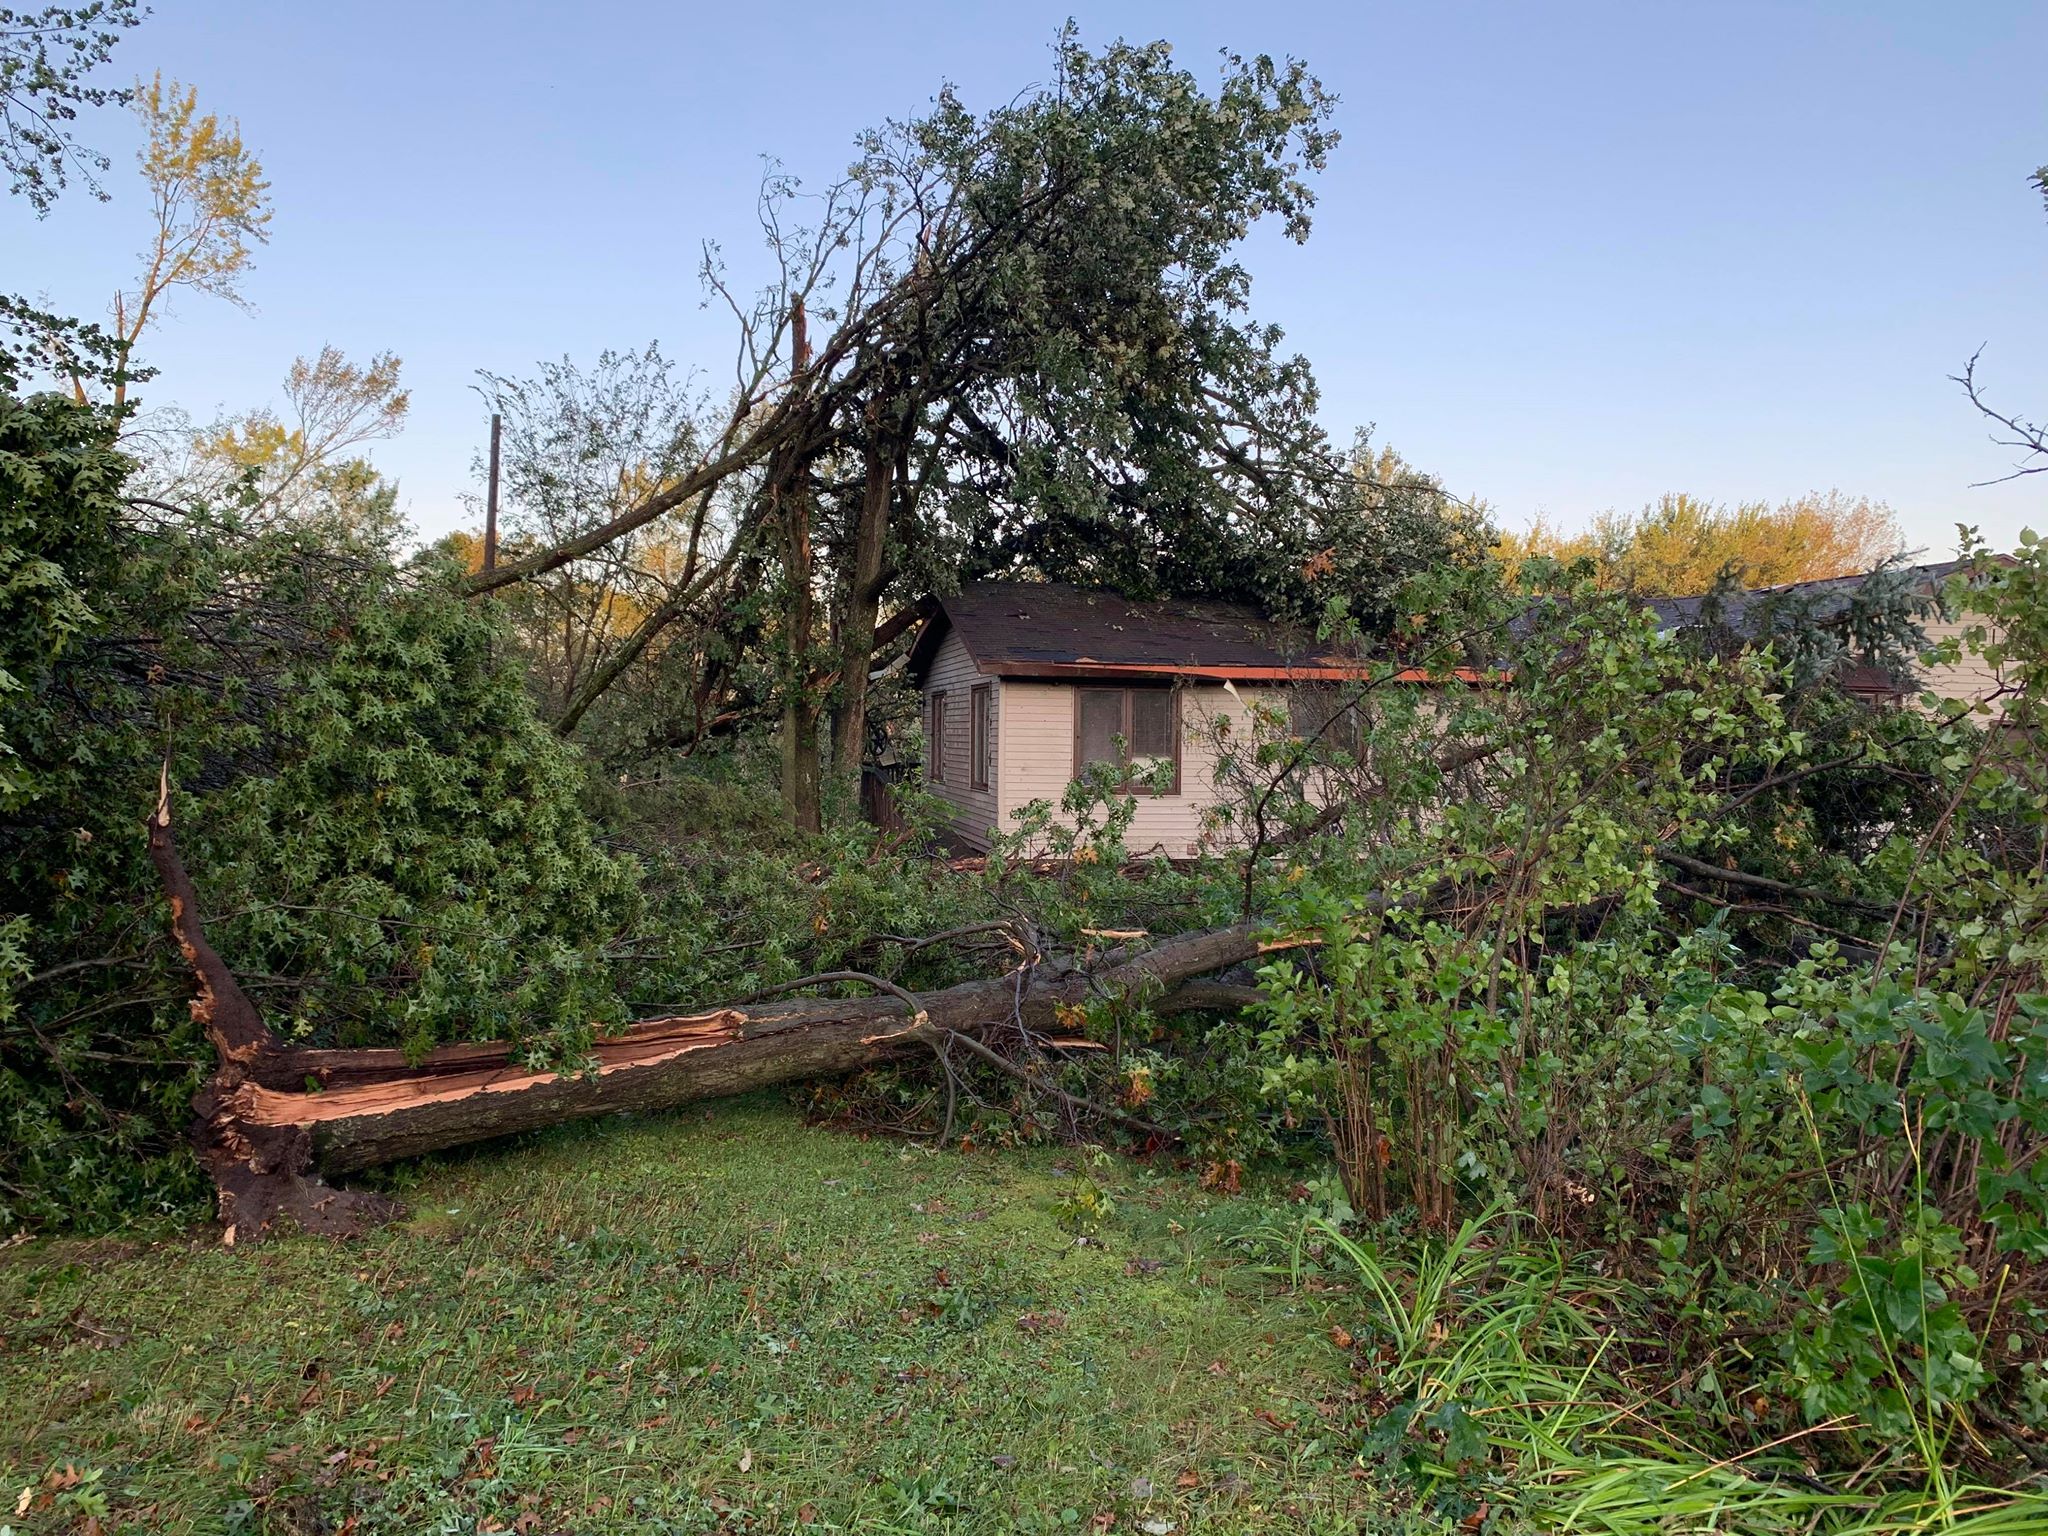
(980,736)
(1128,785)
(1341,727)
(935,769)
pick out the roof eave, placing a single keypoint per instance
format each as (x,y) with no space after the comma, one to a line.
(1308,672)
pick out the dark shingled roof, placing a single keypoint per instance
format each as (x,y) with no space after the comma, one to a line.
(1831,596)
(1031,629)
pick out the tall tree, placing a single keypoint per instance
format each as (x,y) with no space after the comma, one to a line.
(209,206)
(1026,348)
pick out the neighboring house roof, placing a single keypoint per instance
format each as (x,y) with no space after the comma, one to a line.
(1829,597)
(1824,604)
(1052,630)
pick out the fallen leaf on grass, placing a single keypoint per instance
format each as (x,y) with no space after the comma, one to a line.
(1188,1479)
(1225,1177)
(1340,1336)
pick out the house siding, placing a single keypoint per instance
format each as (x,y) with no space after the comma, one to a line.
(1968,678)
(1035,759)
(971,811)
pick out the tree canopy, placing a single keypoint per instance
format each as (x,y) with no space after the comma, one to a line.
(1681,546)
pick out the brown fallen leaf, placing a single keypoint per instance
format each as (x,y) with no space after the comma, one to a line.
(1188,1479)
(1340,1336)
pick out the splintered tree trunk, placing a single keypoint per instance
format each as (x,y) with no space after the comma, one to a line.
(274,1119)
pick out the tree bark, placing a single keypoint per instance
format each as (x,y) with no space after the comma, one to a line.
(262,1171)
(370,1107)
(863,608)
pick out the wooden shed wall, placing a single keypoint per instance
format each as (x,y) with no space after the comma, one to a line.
(973,811)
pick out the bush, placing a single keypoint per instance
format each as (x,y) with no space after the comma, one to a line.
(391,847)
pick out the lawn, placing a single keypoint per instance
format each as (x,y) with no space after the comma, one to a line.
(722,1320)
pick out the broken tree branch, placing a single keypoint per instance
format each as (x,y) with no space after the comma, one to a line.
(273,1119)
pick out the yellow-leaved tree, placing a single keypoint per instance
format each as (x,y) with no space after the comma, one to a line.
(1680,545)
(210,206)
(288,461)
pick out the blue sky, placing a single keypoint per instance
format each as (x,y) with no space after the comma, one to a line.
(1567,256)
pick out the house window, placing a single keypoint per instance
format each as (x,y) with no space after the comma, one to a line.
(1326,715)
(938,741)
(1134,728)
(981,720)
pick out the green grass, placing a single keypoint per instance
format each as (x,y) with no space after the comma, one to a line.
(723,1320)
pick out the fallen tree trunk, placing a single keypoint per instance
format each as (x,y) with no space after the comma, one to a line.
(274,1119)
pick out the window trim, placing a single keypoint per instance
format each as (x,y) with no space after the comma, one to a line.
(1342,728)
(1127,786)
(980,716)
(936,769)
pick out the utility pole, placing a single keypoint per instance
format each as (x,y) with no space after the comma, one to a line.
(491,502)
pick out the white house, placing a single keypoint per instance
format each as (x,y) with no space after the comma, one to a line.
(1025,683)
